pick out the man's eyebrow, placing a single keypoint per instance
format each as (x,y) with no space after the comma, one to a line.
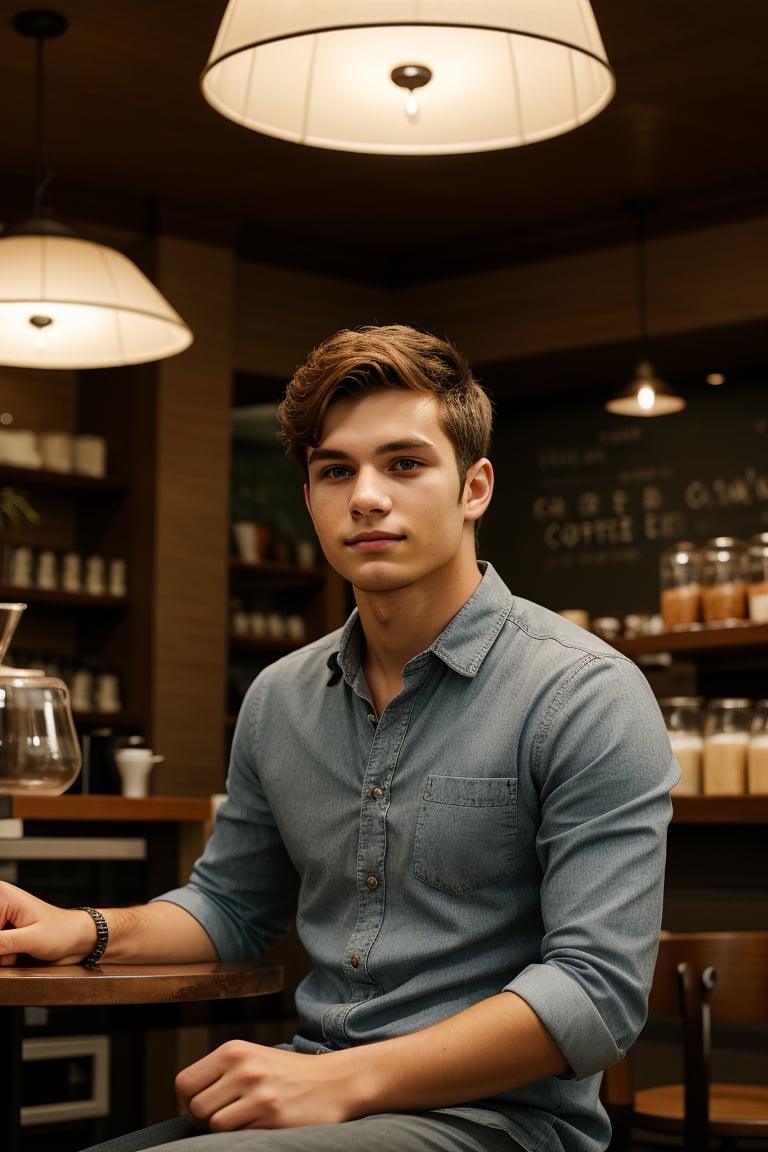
(381,449)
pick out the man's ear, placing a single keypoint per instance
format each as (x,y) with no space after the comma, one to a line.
(478,488)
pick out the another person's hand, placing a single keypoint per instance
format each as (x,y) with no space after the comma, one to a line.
(30,927)
(242,1085)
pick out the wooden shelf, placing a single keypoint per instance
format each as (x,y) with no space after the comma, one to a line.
(55,598)
(93,719)
(269,645)
(283,574)
(68,481)
(697,640)
(719,809)
(181,809)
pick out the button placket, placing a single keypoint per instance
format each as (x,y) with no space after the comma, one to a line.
(388,737)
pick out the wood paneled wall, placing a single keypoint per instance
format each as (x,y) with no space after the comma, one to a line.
(192,522)
(700,279)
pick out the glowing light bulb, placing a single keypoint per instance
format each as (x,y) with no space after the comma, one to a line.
(646,397)
(411,107)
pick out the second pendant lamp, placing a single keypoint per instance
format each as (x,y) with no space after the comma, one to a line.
(645,394)
(66,302)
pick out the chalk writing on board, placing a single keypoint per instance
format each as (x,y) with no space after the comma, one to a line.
(586,502)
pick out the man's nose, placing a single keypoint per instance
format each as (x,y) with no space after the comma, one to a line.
(369,493)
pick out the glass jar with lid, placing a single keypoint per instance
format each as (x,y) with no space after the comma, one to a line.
(724,575)
(683,717)
(757,751)
(757,588)
(726,737)
(680,583)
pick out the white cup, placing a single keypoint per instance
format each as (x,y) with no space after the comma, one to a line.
(56,451)
(82,690)
(295,627)
(90,455)
(275,625)
(134,766)
(21,567)
(21,448)
(117,578)
(246,540)
(46,576)
(95,579)
(71,565)
(106,696)
(305,553)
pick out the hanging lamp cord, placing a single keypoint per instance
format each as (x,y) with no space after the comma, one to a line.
(641,207)
(40,25)
(642,283)
(43,173)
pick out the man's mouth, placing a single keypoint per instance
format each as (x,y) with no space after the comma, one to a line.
(372,541)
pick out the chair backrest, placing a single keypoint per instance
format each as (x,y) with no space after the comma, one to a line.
(706,976)
(740,961)
(700,977)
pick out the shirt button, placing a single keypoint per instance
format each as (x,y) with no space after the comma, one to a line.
(377,793)
(372,882)
(354,961)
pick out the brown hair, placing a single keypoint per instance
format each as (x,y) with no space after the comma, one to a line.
(355,362)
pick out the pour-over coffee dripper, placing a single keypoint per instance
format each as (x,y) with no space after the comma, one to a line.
(39,749)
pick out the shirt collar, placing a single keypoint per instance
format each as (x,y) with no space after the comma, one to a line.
(462,644)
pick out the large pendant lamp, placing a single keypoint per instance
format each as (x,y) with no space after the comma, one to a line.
(644,394)
(410,77)
(66,302)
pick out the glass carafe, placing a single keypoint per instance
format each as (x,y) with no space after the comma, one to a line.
(39,749)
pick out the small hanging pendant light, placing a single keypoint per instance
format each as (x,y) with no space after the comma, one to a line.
(645,394)
(409,77)
(66,302)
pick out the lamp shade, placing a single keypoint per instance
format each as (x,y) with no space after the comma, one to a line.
(409,76)
(66,302)
(645,395)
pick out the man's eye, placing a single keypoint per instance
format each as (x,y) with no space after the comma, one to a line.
(407,465)
(336,472)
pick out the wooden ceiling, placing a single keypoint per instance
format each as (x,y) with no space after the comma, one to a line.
(130,137)
(132,143)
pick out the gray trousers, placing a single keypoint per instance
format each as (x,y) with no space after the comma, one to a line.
(387,1132)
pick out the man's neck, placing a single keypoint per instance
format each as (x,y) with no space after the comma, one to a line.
(399,624)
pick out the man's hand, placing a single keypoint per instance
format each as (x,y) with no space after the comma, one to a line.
(242,1085)
(30,927)
(497,1044)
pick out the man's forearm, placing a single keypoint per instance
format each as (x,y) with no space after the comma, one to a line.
(492,1047)
(157,933)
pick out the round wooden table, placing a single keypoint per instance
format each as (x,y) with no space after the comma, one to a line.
(108,984)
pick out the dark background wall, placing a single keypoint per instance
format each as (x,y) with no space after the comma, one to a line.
(586,501)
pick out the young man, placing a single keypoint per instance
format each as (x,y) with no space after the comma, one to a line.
(461,797)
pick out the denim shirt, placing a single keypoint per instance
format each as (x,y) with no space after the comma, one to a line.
(502,825)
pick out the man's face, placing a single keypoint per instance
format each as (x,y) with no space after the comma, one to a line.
(382,492)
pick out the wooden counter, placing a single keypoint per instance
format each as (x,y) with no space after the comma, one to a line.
(175,809)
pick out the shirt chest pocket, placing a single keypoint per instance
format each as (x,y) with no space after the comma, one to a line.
(465,833)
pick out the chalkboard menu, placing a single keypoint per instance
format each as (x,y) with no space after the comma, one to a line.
(586,501)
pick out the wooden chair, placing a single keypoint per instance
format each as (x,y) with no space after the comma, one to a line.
(702,978)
